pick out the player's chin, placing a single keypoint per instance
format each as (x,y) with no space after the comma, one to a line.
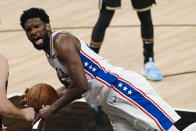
(39,47)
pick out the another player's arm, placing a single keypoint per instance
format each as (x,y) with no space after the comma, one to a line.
(6,107)
(67,48)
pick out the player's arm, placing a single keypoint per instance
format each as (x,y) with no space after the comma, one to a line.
(67,48)
(6,107)
(61,91)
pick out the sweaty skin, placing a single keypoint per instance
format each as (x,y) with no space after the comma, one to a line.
(66,47)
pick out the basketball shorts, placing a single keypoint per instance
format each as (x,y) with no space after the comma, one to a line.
(132,104)
(139,5)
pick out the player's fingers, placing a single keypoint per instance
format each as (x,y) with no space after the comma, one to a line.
(22,102)
(21,97)
(27,90)
(37,117)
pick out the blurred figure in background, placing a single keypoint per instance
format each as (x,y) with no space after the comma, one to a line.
(142,7)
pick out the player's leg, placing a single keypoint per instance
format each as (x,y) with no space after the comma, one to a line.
(134,99)
(147,34)
(144,14)
(120,119)
(107,8)
(149,68)
(120,124)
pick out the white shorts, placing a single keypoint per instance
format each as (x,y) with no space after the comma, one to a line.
(132,104)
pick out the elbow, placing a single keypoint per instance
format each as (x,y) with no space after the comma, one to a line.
(82,89)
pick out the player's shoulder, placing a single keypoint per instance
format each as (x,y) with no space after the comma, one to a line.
(64,37)
(64,43)
(62,34)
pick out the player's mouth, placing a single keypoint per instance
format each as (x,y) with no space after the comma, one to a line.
(38,40)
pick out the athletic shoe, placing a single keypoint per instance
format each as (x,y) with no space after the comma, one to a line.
(151,72)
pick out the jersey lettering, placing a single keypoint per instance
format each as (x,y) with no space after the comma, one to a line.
(63,77)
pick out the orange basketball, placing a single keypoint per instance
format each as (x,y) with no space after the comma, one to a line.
(41,94)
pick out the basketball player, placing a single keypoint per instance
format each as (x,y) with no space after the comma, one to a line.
(142,7)
(6,107)
(126,97)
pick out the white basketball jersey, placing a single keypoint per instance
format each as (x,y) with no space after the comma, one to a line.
(112,86)
(94,66)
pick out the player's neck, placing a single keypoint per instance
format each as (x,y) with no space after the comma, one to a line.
(47,46)
(47,49)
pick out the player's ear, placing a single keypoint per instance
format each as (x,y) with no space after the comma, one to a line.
(48,27)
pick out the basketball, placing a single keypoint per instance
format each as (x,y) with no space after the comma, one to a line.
(41,94)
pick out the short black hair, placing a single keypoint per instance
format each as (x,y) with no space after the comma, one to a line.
(34,13)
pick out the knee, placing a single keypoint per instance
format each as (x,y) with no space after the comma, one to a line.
(105,18)
(145,18)
(146,24)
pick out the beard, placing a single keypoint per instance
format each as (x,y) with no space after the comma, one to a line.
(39,47)
(43,46)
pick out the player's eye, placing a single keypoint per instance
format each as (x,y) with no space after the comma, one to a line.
(36,26)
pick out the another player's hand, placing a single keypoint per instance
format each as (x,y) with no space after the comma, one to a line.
(23,98)
(43,113)
(29,114)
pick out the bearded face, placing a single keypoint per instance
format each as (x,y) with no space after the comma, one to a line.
(37,33)
(42,42)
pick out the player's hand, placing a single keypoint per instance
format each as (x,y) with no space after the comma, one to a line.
(23,98)
(43,113)
(42,125)
(29,114)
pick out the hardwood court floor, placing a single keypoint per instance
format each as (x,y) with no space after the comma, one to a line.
(175,39)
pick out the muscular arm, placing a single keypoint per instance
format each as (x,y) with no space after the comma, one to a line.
(6,107)
(61,91)
(67,48)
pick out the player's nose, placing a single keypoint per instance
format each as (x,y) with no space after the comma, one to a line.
(33,32)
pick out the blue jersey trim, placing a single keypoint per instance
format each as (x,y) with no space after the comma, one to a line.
(127,90)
